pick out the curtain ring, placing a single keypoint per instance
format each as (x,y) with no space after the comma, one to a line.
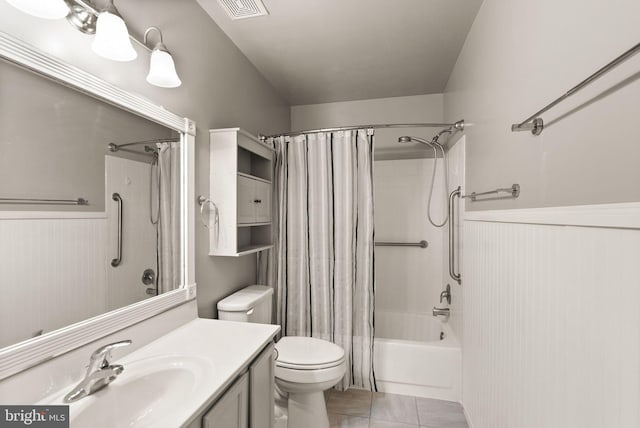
(206,201)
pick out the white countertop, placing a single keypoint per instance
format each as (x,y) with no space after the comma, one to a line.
(228,347)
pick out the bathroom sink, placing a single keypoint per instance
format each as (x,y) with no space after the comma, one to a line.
(149,393)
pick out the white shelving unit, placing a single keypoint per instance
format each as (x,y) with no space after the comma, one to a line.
(240,186)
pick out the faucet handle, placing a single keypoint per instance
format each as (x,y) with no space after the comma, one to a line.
(446,294)
(103,354)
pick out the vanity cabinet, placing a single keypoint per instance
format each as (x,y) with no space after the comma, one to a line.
(262,389)
(249,401)
(240,187)
(230,411)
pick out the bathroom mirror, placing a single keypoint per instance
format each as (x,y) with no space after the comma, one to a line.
(94,222)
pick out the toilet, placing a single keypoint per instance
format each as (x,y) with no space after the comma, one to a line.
(305,366)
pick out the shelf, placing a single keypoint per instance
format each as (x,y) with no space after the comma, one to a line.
(254,158)
(253,177)
(253,249)
(254,224)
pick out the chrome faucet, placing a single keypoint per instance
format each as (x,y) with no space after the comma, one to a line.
(440,311)
(100,372)
(446,294)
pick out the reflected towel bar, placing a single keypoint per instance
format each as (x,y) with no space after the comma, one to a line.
(35,201)
(421,244)
(514,190)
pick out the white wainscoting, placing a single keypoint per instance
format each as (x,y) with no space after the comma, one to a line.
(48,263)
(551,320)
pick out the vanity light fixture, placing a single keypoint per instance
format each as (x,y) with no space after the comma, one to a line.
(47,9)
(112,37)
(82,16)
(162,69)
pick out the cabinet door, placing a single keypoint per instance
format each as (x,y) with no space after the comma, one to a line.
(262,389)
(246,204)
(262,199)
(231,410)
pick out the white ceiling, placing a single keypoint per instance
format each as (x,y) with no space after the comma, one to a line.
(318,51)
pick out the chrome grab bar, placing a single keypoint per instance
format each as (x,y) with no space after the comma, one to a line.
(452,226)
(421,244)
(514,190)
(115,262)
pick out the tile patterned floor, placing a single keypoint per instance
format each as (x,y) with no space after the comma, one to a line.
(363,409)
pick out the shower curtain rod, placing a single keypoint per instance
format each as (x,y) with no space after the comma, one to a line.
(459,126)
(115,147)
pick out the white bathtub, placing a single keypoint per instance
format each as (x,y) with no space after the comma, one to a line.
(411,358)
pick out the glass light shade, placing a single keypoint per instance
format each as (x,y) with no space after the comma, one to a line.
(47,9)
(112,38)
(162,70)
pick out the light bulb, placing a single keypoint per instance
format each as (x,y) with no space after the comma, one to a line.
(112,38)
(47,9)
(162,69)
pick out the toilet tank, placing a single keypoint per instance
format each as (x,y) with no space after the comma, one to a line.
(251,304)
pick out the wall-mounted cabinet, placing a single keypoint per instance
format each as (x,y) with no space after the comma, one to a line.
(240,186)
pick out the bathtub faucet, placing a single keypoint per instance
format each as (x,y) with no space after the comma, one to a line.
(441,311)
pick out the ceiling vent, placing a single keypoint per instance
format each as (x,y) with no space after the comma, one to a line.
(241,9)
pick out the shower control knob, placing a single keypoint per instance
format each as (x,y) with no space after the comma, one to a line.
(148,277)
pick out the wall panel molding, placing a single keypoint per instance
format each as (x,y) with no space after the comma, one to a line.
(624,215)
(551,319)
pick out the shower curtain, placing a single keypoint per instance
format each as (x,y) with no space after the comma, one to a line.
(168,227)
(322,262)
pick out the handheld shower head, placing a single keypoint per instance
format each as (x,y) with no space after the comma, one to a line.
(435,146)
(407,139)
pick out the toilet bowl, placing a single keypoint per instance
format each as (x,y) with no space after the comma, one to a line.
(305,366)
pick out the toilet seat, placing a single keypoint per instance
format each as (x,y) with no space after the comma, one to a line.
(302,379)
(307,353)
(307,360)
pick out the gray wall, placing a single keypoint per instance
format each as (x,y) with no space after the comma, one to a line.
(221,88)
(520,55)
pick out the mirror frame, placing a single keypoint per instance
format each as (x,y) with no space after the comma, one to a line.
(29,353)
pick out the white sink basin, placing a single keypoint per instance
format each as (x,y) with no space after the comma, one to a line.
(148,393)
(166,383)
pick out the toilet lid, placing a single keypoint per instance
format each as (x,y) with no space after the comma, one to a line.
(307,353)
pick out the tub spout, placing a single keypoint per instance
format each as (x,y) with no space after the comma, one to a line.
(441,311)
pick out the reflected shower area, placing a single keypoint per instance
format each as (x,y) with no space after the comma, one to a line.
(142,178)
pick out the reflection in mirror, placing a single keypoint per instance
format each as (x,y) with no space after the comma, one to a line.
(62,262)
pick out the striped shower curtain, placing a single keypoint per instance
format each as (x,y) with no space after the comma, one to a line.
(168,215)
(322,263)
